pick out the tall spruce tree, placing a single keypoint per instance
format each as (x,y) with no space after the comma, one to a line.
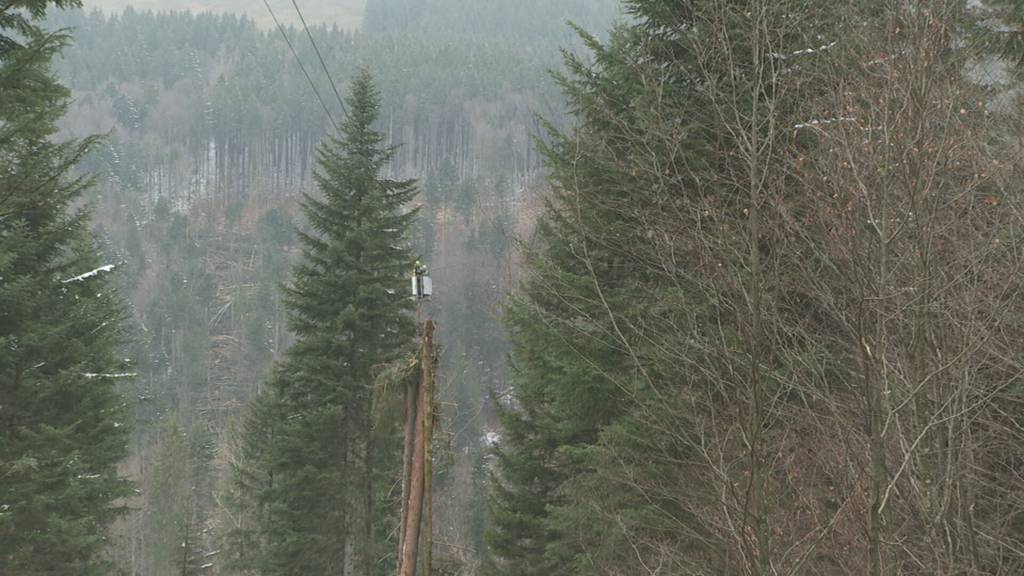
(62,423)
(310,449)
(571,379)
(648,288)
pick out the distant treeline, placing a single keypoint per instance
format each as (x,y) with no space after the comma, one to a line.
(210,106)
(211,136)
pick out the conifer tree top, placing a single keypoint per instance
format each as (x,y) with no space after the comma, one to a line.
(363,103)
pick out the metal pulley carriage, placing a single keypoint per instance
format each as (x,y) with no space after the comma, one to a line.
(422,287)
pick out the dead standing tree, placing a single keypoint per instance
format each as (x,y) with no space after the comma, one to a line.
(416,480)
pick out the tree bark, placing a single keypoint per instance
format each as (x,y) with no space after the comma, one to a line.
(410,542)
(411,411)
(368,463)
(428,435)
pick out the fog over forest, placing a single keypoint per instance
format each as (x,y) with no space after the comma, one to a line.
(511,288)
(345,13)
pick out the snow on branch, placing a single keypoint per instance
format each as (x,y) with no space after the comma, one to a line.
(885,58)
(100,327)
(91,375)
(804,52)
(824,122)
(89,274)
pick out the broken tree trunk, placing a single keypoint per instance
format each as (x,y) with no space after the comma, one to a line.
(428,435)
(411,411)
(414,503)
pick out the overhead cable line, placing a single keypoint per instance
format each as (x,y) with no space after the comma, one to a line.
(323,64)
(312,85)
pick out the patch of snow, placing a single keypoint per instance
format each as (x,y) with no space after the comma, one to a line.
(813,123)
(91,375)
(804,52)
(492,439)
(89,274)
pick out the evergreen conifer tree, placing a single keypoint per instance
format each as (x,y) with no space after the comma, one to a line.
(310,451)
(571,378)
(62,423)
(176,509)
(609,333)
(530,465)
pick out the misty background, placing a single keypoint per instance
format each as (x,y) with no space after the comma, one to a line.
(211,132)
(344,13)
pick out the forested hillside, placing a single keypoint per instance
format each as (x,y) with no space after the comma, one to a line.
(719,286)
(492,22)
(347,14)
(211,131)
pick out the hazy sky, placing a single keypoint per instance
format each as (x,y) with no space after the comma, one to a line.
(346,13)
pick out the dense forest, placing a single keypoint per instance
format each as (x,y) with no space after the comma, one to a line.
(719,288)
(210,136)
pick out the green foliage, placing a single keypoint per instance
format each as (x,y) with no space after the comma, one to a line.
(603,336)
(561,399)
(493,20)
(312,455)
(19,23)
(998,26)
(661,314)
(63,426)
(214,132)
(181,81)
(177,499)
(570,377)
